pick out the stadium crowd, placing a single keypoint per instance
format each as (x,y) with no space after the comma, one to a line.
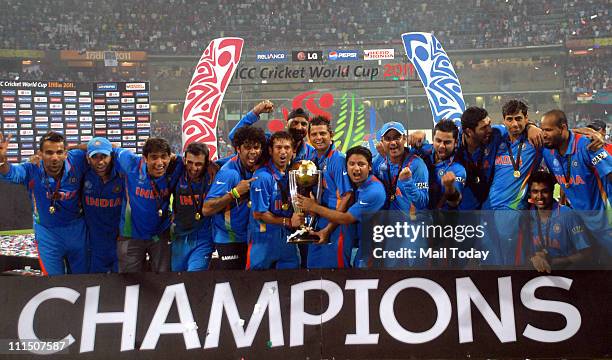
(180,27)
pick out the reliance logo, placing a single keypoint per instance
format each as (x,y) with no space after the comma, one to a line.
(271,56)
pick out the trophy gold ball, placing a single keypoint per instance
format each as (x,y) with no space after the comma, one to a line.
(307,175)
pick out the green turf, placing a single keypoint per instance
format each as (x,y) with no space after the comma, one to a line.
(17,232)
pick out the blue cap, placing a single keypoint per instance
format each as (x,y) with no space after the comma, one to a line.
(99,145)
(392,125)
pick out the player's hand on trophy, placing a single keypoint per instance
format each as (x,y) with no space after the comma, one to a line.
(306,203)
(323,235)
(540,263)
(448,180)
(296,220)
(4,143)
(265,106)
(534,135)
(244,186)
(381,149)
(416,139)
(405,174)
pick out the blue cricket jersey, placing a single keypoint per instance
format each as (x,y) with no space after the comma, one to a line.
(336,182)
(144,196)
(41,189)
(508,192)
(268,193)
(231,224)
(479,168)
(411,194)
(562,234)
(102,202)
(188,198)
(437,171)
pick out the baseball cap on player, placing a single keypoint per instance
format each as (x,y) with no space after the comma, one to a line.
(392,125)
(99,145)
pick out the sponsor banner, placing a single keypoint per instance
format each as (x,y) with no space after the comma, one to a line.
(29,109)
(307,55)
(271,56)
(135,86)
(379,54)
(322,314)
(343,55)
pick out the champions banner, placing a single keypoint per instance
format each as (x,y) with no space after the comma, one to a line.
(317,314)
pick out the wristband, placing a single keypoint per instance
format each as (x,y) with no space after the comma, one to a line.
(235,193)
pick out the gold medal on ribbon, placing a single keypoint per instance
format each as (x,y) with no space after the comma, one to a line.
(198,216)
(517,174)
(51,209)
(160,213)
(392,198)
(285,207)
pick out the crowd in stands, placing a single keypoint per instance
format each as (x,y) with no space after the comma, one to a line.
(185,27)
(585,73)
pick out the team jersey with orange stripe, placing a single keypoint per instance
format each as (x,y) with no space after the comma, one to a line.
(508,191)
(587,173)
(230,224)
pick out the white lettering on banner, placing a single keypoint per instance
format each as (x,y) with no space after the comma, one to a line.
(395,329)
(187,326)
(468,293)
(91,318)
(573,320)
(299,318)
(25,326)
(362,318)
(224,301)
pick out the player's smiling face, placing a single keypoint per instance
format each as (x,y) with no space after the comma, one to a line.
(394,143)
(195,165)
(358,168)
(53,155)
(157,163)
(100,163)
(281,152)
(320,137)
(541,196)
(249,154)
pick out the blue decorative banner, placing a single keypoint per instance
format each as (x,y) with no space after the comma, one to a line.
(437,75)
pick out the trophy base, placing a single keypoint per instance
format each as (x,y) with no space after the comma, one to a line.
(302,236)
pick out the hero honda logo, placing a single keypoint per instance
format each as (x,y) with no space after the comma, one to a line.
(271,56)
(307,55)
(342,55)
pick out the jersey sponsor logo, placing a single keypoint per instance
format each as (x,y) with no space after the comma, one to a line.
(597,159)
(230,257)
(103,203)
(150,194)
(574,180)
(363,203)
(505,160)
